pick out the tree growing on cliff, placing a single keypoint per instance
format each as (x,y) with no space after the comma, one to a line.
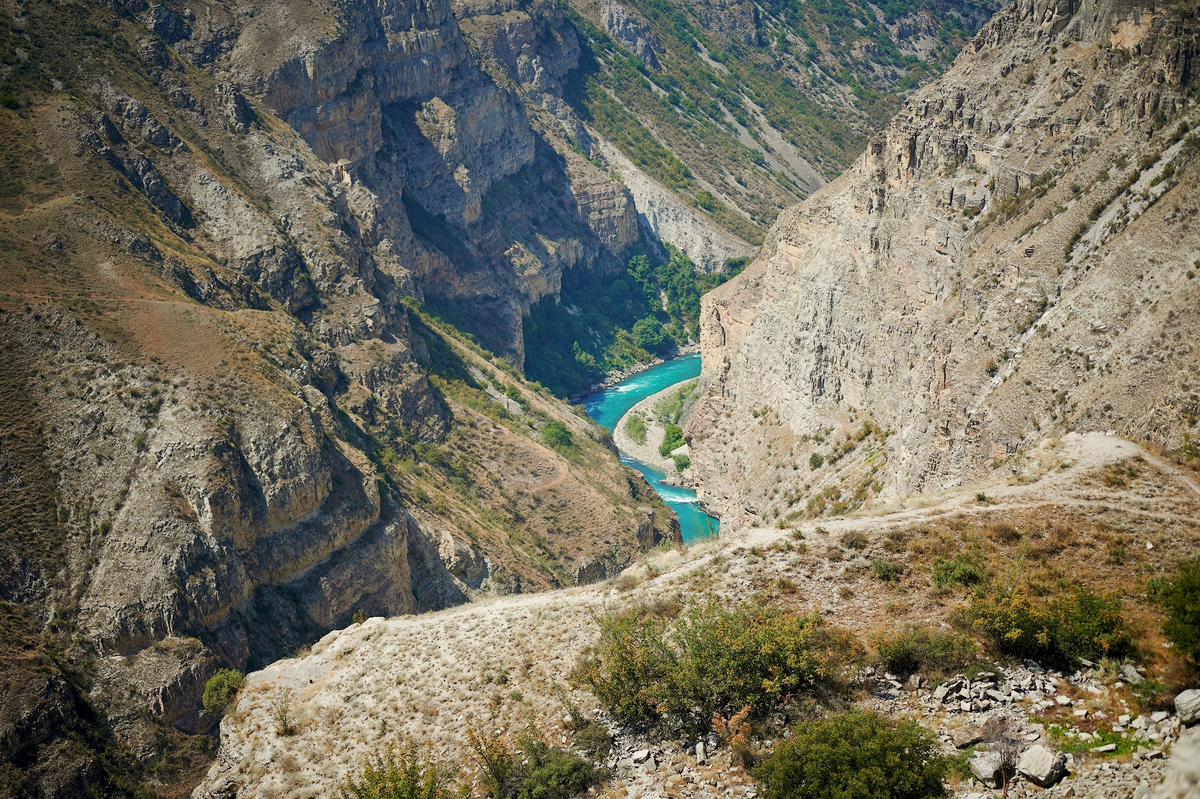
(221,689)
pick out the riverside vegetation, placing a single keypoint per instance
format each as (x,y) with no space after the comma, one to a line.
(601,323)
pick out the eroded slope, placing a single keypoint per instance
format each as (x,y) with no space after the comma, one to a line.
(1016,254)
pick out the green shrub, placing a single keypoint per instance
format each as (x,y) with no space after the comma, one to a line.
(710,660)
(956,571)
(635,428)
(682,462)
(400,773)
(1180,596)
(672,439)
(535,770)
(920,649)
(553,773)
(221,689)
(886,570)
(815,461)
(556,436)
(1084,625)
(855,756)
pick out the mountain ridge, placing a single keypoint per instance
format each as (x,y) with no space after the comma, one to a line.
(923,297)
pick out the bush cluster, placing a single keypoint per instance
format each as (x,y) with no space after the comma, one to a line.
(855,756)
(556,436)
(651,672)
(1180,597)
(956,571)
(221,689)
(672,439)
(635,428)
(921,649)
(533,770)
(1061,631)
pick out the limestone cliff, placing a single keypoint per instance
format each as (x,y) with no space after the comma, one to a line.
(1015,256)
(230,423)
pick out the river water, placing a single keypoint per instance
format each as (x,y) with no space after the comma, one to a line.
(607,407)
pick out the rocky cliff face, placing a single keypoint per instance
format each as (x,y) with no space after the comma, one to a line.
(229,423)
(398,100)
(1014,256)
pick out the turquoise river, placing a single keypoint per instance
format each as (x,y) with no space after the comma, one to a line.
(607,407)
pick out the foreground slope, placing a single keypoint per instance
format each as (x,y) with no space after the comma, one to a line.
(506,663)
(1016,254)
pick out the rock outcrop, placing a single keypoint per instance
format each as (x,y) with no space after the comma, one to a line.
(229,422)
(1013,256)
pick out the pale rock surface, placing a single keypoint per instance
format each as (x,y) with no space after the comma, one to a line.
(916,320)
(1187,706)
(1041,765)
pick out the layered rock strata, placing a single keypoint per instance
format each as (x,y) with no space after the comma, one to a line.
(1013,256)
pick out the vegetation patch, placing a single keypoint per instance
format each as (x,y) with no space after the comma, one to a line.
(531,770)
(635,428)
(920,649)
(652,672)
(1180,597)
(855,755)
(221,689)
(400,773)
(1058,631)
(956,571)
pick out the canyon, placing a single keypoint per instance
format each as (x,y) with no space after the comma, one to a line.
(266,275)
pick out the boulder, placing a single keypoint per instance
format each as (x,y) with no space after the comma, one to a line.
(1187,707)
(1042,766)
(986,766)
(966,735)
(1130,675)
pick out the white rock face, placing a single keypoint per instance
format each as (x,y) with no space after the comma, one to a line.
(1187,706)
(672,221)
(986,768)
(916,320)
(1042,766)
(1183,777)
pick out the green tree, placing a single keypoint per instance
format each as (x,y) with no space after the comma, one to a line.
(221,689)
(1180,597)
(556,436)
(855,756)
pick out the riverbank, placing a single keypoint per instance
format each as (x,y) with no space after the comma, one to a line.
(619,376)
(608,407)
(656,428)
